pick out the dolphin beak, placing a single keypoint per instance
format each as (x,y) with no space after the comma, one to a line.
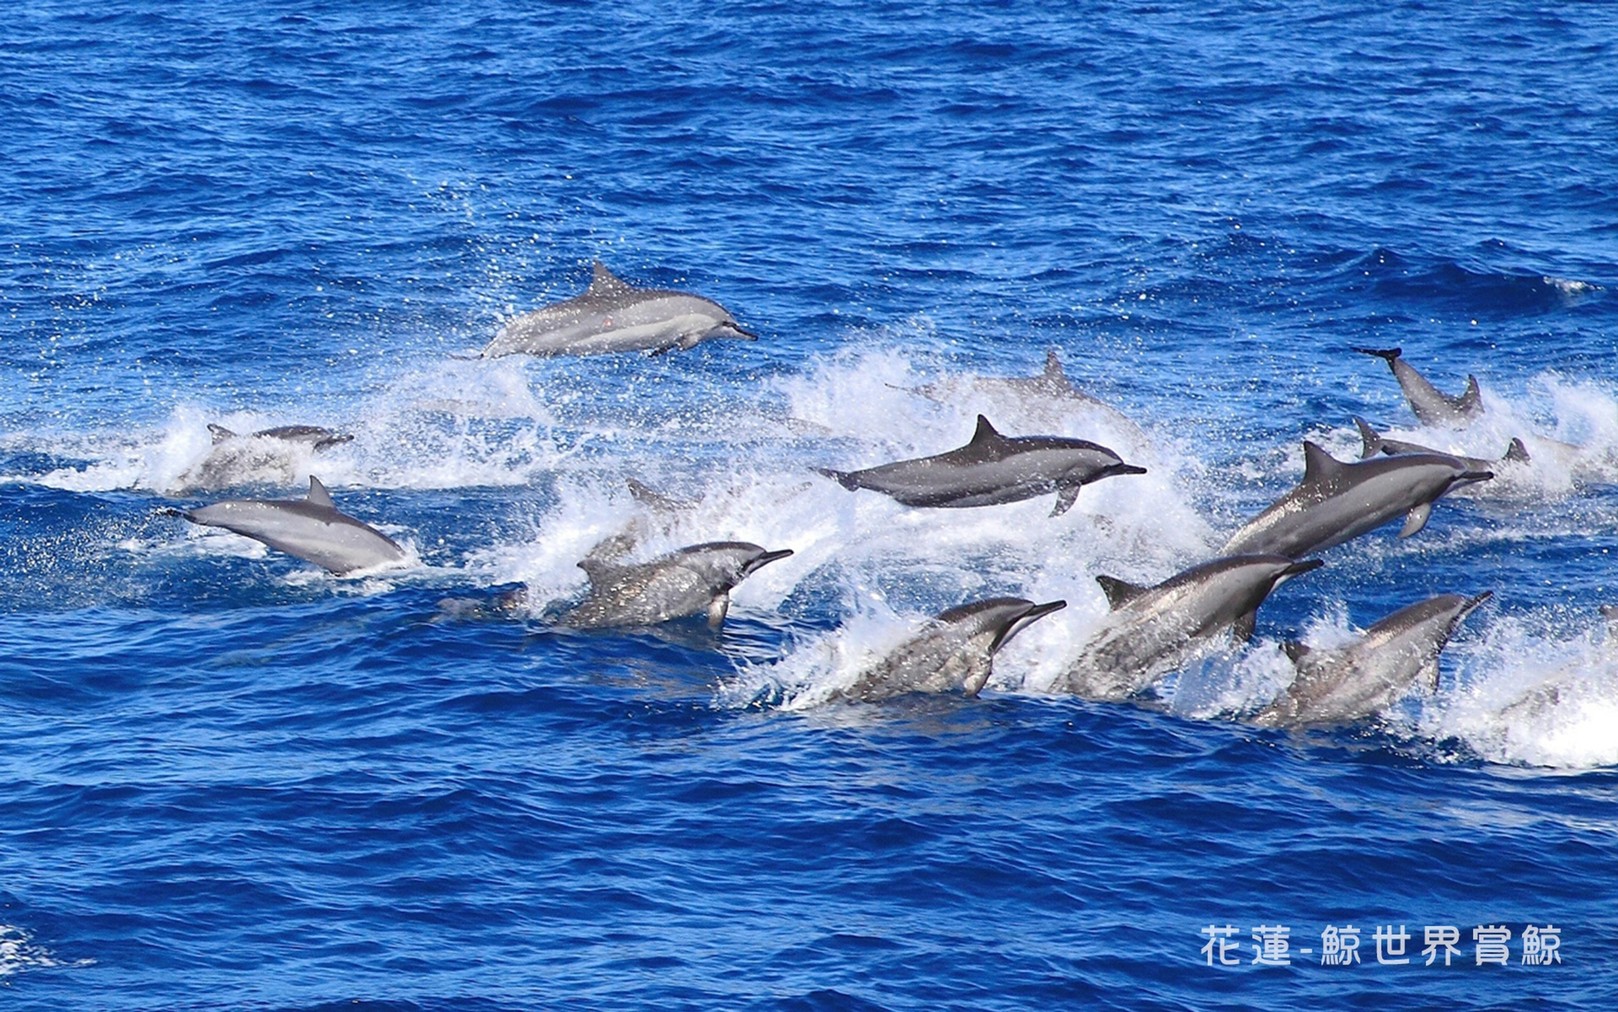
(766,559)
(1472,604)
(1469,477)
(1125,469)
(1023,621)
(1298,568)
(741,331)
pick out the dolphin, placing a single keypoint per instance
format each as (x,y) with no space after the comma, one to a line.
(1516,452)
(955,652)
(1337,501)
(268,455)
(1154,630)
(992,469)
(1430,406)
(614,316)
(1569,682)
(1367,676)
(310,528)
(685,582)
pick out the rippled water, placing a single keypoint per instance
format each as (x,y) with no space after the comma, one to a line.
(231,780)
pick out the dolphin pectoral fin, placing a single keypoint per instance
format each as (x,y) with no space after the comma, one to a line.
(1429,674)
(318,494)
(664,350)
(717,609)
(1368,436)
(219,433)
(1416,520)
(1066,496)
(1243,627)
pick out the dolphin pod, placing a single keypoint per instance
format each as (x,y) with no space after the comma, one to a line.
(614,316)
(1148,632)
(954,653)
(310,529)
(1360,680)
(992,469)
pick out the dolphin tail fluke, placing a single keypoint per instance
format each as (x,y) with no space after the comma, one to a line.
(1517,451)
(1368,436)
(1391,355)
(842,478)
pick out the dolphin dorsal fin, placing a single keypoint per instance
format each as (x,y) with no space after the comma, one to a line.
(986,432)
(1053,367)
(1295,651)
(219,433)
(1119,592)
(1319,467)
(1471,398)
(318,494)
(598,571)
(1368,436)
(1517,451)
(1610,613)
(603,281)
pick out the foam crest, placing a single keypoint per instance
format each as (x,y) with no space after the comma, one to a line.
(1529,694)
(19,951)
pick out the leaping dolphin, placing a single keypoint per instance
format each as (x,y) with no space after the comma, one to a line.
(614,316)
(954,653)
(992,469)
(266,456)
(1367,676)
(1154,630)
(1430,406)
(1337,501)
(686,582)
(311,529)
(1516,452)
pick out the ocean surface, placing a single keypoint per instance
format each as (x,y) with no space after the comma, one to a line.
(229,780)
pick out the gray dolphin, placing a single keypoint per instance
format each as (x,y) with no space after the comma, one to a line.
(265,456)
(1516,452)
(1367,676)
(685,582)
(614,316)
(954,653)
(1337,501)
(1568,682)
(992,469)
(310,528)
(1430,406)
(1155,630)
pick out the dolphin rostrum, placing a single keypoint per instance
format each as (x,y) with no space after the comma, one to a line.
(1516,452)
(993,469)
(614,316)
(267,456)
(1368,675)
(1430,406)
(1337,501)
(954,653)
(310,528)
(689,581)
(1154,630)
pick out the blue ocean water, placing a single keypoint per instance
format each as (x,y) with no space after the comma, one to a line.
(232,781)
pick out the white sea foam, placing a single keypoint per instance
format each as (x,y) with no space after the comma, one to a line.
(19,951)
